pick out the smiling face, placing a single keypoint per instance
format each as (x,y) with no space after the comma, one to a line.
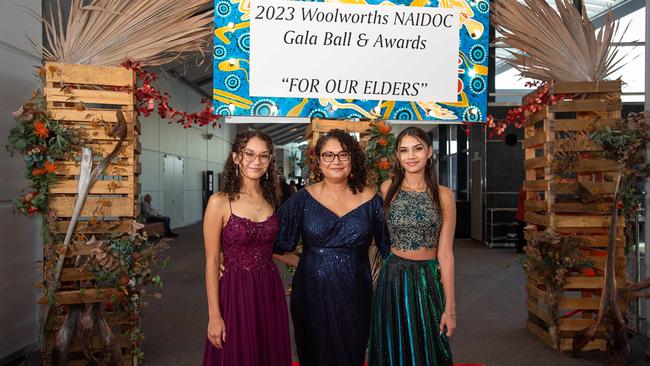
(254,159)
(334,162)
(413,154)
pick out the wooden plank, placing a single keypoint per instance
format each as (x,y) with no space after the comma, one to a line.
(587,105)
(539,116)
(579,303)
(582,124)
(324,125)
(90,132)
(69,186)
(596,165)
(566,345)
(80,248)
(75,344)
(535,163)
(582,221)
(575,325)
(539,312)
(75,274)
(89,74)
(562,145)
(588,208)
(536,185)
(89,96)
(89,115)
(542,334)
(535,205)
(593,187)
(581,87)
(536,219)
(94,206)
(124,168)
(100,227)
(127,150)
(538,139)
(84,296)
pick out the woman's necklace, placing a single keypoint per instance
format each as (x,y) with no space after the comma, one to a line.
(253,205)
(409,187)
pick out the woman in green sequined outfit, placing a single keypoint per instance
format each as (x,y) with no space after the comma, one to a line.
(414,312)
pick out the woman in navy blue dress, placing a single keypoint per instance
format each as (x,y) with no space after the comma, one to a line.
(337,218)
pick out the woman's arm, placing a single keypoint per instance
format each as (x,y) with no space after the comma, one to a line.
(212,226)
(288,259)
(383,189)
(446,258)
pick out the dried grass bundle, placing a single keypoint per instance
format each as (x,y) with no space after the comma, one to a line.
(557,45)
(106,32)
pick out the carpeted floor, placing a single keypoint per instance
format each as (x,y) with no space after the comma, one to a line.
(491,310)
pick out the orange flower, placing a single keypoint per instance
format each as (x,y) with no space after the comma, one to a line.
(382,142)
(49,167)
(383,164)
(40,129)
(38,171)
(383,128)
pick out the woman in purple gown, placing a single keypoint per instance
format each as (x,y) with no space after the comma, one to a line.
(248,322)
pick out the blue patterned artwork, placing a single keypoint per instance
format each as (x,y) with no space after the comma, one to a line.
(231,72)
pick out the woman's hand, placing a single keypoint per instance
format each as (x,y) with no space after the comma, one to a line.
(288,259)
(222,268)
(217,332)
(448,321)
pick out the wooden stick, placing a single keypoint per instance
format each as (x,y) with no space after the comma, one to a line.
(86,180)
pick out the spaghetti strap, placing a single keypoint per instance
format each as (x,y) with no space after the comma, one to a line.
(230,204)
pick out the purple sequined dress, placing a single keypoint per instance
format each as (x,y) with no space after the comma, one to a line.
(251,298)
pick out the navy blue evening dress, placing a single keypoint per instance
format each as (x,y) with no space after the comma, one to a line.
(331,289)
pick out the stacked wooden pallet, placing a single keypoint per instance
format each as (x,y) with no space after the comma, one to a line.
(576,202)
(86,98)
(319,127)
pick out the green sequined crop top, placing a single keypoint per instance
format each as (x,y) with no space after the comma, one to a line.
(413,221)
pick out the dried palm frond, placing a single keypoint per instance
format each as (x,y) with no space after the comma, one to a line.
(106,32)
(560,45)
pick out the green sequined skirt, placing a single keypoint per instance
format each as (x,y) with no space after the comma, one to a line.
(407,307)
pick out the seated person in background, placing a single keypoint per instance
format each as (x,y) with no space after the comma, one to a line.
(151,215)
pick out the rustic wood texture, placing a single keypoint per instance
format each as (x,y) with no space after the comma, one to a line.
(86,98)
(576,204)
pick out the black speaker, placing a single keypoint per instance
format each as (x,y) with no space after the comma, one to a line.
(511,139)
(208,187)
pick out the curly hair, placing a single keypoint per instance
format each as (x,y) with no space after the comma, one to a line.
(357,177)
(232,179)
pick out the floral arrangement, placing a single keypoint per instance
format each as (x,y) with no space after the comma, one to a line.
(550,259)
(126,260)
(625,143)
(380,152)
(309,164)
(41,140)
(148,98)
(517,116)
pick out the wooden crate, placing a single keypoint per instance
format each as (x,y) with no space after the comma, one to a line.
(319,127)
(86,98)
(553,201)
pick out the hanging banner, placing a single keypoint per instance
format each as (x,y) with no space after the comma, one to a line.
(364,60)
(328,50)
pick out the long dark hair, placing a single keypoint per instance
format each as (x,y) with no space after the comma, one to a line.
(398,172)
(233,180)
(357,178)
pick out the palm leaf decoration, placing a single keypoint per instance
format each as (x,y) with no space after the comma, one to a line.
(106,32)
(557,45)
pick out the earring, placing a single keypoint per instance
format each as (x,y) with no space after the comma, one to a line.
(267,174)
(429,162)
(237,170)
